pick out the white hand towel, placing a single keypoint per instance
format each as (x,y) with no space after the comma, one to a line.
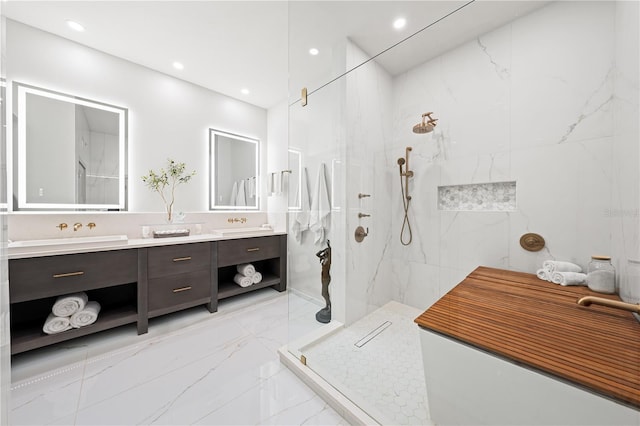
(320,208)
(300,220)
(552,266)
(86,316)
(242,280)
(256,278)
(241,198)
(67,305)
(246,269)
(543,275)
(569,278)
(54,324)
(234,194)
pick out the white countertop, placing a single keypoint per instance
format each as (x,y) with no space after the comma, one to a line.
(54,250)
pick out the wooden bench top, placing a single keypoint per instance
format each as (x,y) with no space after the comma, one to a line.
(539,324)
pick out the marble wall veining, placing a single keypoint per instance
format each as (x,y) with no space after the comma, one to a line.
(547,101)
(549,127)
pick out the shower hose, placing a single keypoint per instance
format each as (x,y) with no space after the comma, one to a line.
(405,222)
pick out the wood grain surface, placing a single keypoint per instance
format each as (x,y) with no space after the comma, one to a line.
(539,324)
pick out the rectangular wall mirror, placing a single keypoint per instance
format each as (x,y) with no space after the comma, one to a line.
(71,152)
(234,171)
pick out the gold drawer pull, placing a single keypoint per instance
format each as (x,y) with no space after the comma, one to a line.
(253,249)
(182,259)
(178,290)
(68,274)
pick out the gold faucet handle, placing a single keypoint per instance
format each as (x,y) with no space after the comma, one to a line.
(77,226)
(62,226)
(91,225)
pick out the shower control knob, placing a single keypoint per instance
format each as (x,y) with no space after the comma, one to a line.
(361,233)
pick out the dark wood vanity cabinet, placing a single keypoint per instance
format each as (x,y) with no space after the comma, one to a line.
(109,277)
(267,254)
(133,285)
(179,277)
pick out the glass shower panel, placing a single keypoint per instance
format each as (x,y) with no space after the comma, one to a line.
(568,144)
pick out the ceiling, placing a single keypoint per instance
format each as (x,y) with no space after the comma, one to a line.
(226,46)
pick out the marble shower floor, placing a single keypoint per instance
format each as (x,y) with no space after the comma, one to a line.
(191,368)
(385,375)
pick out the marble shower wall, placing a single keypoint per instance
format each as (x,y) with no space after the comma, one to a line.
(368,130)
(531,102)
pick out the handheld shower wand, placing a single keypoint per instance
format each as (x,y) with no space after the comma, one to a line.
(406,198)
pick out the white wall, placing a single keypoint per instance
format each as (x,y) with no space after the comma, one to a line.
(277,160)
(167,117)
(548,101)
(625,203)
(533,102)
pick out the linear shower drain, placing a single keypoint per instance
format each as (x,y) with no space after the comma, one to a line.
(372,334)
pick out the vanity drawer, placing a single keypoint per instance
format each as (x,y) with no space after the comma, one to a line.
(40,277)
(181,289)
(178,259)
(233,252)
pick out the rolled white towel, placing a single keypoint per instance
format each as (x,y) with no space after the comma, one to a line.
(552,266)
(256,278)
(242,280)
(67,305)
(569,278)
(54,324)
(543,275)
(86,316)
(246,269)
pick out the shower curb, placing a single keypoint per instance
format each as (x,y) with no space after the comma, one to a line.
(353,414)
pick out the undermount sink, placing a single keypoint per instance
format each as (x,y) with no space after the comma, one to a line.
(237,231)
(104,240)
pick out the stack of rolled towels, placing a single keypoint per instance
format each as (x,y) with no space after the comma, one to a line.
(563,273)
(71,311)
(247,275)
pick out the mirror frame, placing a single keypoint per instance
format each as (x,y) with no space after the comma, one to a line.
(22,91)
(212,170)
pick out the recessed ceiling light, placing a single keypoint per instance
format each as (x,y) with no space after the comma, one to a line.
(245,91)
(313,51)
(399,23)
(75,26)
(178,66)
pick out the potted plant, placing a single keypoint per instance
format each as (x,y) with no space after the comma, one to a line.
(173,176)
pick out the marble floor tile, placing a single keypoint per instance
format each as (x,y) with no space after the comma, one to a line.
(212,369)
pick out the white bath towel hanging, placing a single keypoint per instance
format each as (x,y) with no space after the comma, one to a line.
(251,187)
(320,208)
(234,194)
(241,198)
(86,316)
(300,218)
(67,305)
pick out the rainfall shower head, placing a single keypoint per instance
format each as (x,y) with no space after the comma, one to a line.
(425,126)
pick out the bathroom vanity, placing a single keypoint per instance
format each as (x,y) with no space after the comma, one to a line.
(139,280)
(504,347)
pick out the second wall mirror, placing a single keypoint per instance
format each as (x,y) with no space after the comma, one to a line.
(234,168)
